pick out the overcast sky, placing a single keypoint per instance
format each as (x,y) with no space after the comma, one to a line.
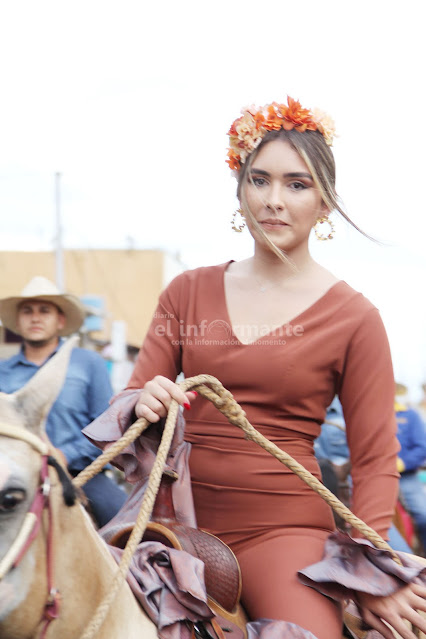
(131,102)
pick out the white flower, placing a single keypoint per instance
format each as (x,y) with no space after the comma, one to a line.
(248,134)
(325,125)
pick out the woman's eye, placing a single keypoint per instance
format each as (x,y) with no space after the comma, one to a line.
(298,186)
(10,499)
(258,181)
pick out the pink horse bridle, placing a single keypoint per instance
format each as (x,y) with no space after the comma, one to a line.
(32,523)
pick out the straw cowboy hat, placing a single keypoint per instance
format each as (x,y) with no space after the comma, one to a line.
(42,289)
(400,389)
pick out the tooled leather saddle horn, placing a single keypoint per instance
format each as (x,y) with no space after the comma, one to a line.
(222,573)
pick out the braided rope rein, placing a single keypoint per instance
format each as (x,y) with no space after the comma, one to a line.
(226,404)
(210,388)
(145,511)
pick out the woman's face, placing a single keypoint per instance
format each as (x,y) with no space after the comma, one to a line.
(282,196)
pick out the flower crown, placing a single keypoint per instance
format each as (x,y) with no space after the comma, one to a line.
(247,131)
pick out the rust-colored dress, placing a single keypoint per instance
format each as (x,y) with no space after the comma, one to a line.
(284,381)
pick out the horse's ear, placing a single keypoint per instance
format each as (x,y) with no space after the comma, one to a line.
(34,400)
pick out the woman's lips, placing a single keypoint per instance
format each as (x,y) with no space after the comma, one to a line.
(273,224)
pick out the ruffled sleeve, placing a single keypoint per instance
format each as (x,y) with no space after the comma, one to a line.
(355,565)
(137,459)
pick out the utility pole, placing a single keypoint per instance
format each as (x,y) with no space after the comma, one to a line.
(59,255)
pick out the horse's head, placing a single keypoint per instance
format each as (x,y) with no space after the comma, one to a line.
(23,450)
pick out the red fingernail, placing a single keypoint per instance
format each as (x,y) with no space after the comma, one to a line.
(195,392)
(187,405)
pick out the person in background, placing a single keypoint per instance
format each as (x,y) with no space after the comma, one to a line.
(43,316)
(412,456)
(422,403)
(332,451)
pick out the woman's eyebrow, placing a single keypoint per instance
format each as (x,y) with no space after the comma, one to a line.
(295,174)
(258,171)
(298,174)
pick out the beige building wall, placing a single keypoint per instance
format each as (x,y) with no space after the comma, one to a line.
(130,281)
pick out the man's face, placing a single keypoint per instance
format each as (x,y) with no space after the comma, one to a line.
(39,321)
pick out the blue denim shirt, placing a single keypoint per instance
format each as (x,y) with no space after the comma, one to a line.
(412,437)
(331,443)
(84,396)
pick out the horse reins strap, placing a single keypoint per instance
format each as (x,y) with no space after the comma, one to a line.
(16,548)
(17,432)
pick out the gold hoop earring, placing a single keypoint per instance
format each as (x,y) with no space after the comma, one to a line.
(318,234)
(239,228)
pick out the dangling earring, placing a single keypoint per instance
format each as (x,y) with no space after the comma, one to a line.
(239,228)
(324,220)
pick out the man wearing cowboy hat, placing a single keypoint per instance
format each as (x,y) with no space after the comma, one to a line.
(41,315)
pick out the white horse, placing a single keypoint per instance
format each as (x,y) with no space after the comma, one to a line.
(54,567)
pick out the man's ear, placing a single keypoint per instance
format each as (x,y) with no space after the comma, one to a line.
(62,320)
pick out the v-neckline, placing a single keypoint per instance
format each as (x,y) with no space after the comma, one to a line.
(274,329)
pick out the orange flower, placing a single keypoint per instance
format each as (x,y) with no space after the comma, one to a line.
(247,131)
(233,161)
(259,118)
(301,118)
(274,121)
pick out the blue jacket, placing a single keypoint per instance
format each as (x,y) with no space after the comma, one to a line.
(331,443)
(412,438)
(411,435)
(84,396)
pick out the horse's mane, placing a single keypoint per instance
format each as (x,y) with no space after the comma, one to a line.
(69,491)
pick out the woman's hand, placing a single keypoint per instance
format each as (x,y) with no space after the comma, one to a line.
(405,604)
(154,400)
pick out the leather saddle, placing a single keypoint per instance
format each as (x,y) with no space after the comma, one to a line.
(222,573)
